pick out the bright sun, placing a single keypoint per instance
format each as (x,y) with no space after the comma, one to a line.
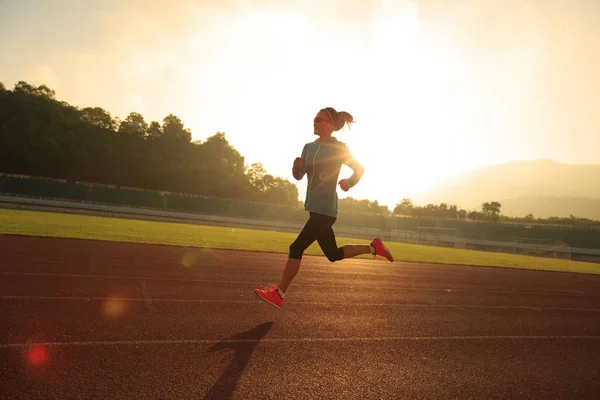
(410,132)
(400,85)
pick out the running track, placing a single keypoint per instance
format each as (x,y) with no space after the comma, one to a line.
(99,320)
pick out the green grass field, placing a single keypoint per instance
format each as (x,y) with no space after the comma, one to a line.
(125,230)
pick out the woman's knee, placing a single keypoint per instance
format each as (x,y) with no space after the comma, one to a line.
(335,255)
(296,251)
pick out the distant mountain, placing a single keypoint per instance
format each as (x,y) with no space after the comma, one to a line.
(544,207)
(542,187)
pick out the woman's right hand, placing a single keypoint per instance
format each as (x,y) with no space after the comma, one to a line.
(299,162)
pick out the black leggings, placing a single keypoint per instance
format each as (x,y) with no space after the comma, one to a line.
(319,228)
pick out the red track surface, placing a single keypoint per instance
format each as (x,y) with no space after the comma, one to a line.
(87,319)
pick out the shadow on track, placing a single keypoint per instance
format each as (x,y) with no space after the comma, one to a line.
(243,345)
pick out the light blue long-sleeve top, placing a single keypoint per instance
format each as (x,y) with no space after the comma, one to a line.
(322,164)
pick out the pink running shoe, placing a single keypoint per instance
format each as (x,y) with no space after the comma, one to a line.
(381,250)
(270,295)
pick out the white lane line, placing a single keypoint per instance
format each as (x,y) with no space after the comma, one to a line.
(159,300)
(299,283)
(85,276)
(290,340)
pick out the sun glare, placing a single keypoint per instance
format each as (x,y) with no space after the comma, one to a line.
(409,131)
(400,86)
(273,70)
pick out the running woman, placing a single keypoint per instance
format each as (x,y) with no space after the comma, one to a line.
(322,161)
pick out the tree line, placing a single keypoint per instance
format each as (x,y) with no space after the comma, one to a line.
(42,136)
(490,211)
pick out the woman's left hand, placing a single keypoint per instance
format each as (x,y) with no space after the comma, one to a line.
(344,185)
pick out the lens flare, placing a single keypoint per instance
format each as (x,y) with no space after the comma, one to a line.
(219,254)
(189,259)
(113,307)
(37,356)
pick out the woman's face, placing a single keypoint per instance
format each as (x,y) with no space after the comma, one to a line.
(322,124)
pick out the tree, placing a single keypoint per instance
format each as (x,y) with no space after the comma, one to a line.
(133,125)
(280,191)
(529,217)
(405,207)
(45,91)
(443,210)
(271,189)
(42,136)
(491,210)
(256,174)
(223,169)
(25,88)
(154,130)
(474,216)
(383,210)
(40,91)
(173,128)
(352,205)
(99,117)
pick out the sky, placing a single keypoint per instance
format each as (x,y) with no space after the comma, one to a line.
(436,87)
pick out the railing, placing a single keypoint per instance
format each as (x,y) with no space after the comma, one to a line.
(91,193)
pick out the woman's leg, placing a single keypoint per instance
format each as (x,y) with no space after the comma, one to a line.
(289,273)
(313,229)
(377,248)
(334,253)
(318,227)
(353,250)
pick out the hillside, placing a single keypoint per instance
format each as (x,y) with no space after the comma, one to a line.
(542,187)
